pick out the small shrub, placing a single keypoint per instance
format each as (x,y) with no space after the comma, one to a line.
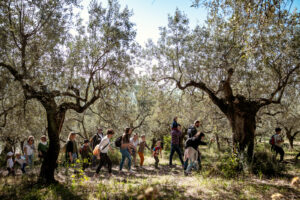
(229,166)
(264,164)
(167,143)
(115,156)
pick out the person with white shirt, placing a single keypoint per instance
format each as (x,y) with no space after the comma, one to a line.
(104,147)
(135,142)
(29,151)
(21,161)
(10,163)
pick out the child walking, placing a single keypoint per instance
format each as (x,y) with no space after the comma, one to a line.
(104,147)
(135,142)
(141,150)
(156,152)
(10,164)
(85,152)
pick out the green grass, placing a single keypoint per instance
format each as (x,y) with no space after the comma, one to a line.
(150,183)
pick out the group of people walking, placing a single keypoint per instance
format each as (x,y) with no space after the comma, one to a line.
(95,151)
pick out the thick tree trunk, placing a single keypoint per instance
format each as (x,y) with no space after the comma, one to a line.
(243,126)
(55,120)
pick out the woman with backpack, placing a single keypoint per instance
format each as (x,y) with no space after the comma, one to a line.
(125,147)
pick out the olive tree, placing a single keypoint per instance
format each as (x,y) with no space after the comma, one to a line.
(60,70)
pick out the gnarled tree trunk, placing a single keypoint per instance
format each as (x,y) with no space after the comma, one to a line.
(55,120)
(243,126)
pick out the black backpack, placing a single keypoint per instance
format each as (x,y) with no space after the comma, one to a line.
(188,143)
(118,141)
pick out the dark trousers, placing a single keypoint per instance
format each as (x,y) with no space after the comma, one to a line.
(280,151)
(175,147)
(156,161)
(11,171)
(86,162)
(104,159)
(23,168)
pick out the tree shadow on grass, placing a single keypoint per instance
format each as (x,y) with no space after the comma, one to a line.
(24,189)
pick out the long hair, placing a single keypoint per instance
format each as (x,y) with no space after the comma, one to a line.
(127,135)
(70,135)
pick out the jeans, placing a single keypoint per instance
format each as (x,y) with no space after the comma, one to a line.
(175,147)
(74,156)
(125,154)
(192,165)
(186,163)
(30,160)
(23,168)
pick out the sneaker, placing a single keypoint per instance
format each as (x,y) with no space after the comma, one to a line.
(130,171)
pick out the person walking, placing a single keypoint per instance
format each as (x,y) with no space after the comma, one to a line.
(192,153)
(156,152)
(141,150)
(175,135)
(104,147)
(135,142)
(96,139)
(276,142)
(85,152)
(125,149)
(71,149)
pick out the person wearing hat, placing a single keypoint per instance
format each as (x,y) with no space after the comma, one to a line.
(10,164)
(85,152)
(43,147)
(21,161)
(29,151)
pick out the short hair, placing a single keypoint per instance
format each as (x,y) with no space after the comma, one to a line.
(197,121)
(86,141)
(277,129)
(43,136)
(110,132)
(135,134)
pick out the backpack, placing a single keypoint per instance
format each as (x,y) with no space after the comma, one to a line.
(96,150)
(272,140)
(118,141)
(188,143)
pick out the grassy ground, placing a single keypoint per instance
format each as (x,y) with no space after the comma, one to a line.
(165,183)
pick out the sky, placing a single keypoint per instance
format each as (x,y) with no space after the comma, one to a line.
(149,15)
